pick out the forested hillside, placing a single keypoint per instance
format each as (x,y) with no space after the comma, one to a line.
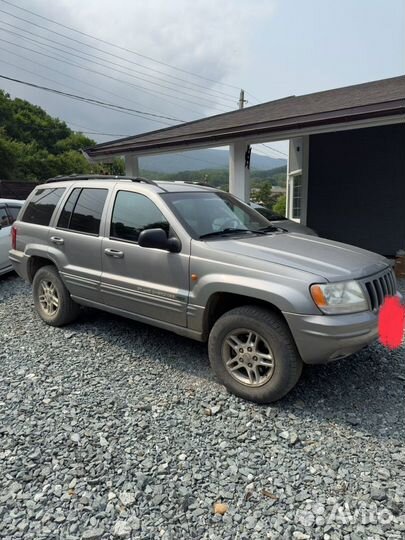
(35,146)
(220,177)
(194,160)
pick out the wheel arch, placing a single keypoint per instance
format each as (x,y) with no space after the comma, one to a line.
(35,263)
(220,303)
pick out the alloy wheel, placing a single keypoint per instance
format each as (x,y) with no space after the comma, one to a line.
(48,297)
(248,357)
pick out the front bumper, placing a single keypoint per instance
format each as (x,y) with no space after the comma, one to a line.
(323,338)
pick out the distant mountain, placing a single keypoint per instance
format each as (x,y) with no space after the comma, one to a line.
(196,160)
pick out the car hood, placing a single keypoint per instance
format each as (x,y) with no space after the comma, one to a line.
(332,260)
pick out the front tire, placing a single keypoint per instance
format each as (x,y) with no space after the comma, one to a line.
(253,354)
(52,299)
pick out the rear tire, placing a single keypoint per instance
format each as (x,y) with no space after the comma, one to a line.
(52,299)
(253,354)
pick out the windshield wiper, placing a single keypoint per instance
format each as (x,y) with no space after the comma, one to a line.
(271,228)
(230,231)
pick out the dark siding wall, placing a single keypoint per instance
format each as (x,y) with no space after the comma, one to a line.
(356,190)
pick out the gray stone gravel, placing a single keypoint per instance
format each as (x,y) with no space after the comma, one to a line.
(113,429)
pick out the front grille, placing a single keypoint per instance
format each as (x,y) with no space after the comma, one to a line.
(380,287)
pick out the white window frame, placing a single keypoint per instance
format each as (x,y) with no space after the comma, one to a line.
(292,177)
(303,172)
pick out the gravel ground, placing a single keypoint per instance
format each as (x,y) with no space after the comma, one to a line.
(113,429)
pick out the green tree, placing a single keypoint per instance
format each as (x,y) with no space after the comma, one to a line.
(35,146)
(74,141)
(280,206)
(262,194)
(118,166)
(9,156)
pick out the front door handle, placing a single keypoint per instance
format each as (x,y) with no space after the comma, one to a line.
(114,253)
(56,240)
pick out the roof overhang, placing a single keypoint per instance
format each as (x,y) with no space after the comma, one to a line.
(252,126)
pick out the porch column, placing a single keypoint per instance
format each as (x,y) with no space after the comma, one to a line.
(239,181)
(131,165)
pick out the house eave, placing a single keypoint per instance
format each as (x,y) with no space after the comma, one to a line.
(369,116)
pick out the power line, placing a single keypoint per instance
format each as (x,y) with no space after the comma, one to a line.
(80,80)
(91,132)
(123,135)
(264,154)
(199,159)
(63,59)
(254,97)
(105,134)
(103,74)
(274,149)
(57,82)
(214,93)
(116,46)
(91,101)
(103,65)
(115,107)
(261,144)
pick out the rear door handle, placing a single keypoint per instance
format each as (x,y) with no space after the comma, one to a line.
(114,253)
(56,240)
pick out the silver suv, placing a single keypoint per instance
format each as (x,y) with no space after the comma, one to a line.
(199,262)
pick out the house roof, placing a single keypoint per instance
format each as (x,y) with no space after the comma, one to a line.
(375,99)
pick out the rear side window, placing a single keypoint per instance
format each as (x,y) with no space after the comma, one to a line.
(42,205)
(83,210)
(13,212)
(66,214)
(132,214)
(4,217)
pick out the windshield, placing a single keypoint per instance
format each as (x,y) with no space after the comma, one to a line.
(211,213)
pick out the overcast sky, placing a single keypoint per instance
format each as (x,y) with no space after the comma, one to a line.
(271,48)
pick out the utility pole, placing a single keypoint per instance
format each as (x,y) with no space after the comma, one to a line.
(248,151)
(242,99)
(239,163)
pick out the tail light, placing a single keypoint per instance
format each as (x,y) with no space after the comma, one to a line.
(14,237)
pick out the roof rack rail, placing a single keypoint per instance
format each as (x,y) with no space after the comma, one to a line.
(195,183)
(62,178)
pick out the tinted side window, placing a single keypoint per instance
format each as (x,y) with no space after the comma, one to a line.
(13,212)
(4,217)
(42,205)
(87,212)
(132,214)
(66,214)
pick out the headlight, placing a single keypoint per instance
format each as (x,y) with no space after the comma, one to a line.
(335,298)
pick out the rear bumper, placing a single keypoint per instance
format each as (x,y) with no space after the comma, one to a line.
(19,261)
(323,338)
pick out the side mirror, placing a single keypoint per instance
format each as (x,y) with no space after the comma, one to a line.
(156,238)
